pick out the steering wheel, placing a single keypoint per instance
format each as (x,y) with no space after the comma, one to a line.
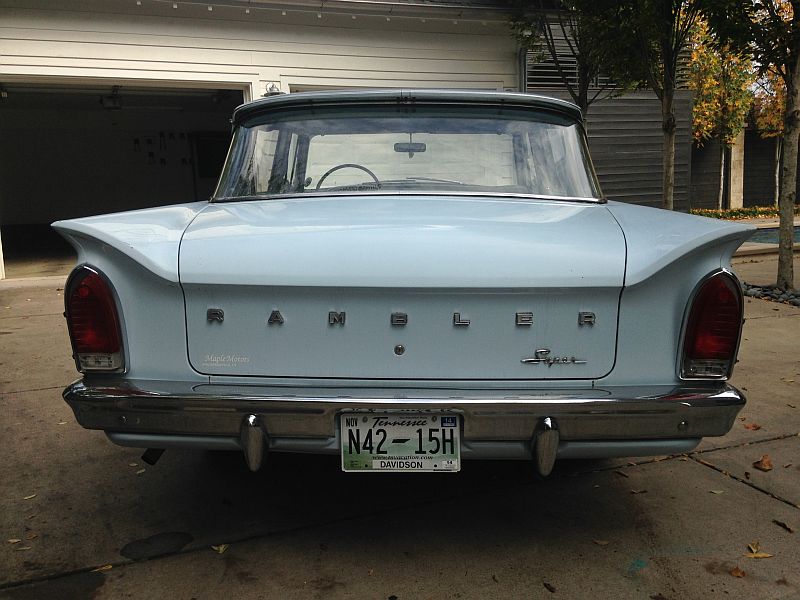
(344,166)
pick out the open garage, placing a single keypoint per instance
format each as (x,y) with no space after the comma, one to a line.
(73,150)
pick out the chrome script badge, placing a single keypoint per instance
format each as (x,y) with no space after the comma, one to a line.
(542,357)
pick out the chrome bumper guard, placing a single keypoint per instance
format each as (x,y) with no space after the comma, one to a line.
(497,423)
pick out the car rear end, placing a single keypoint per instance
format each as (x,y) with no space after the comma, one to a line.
(410,318)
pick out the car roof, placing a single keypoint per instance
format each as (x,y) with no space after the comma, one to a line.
(356,97)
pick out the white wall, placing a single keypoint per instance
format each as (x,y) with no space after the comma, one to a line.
(119,40)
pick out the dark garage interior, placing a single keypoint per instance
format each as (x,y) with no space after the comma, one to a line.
(72,151)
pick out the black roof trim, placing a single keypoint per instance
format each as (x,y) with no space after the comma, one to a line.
(398,96)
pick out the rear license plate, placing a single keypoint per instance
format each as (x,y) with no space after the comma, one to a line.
(400,442)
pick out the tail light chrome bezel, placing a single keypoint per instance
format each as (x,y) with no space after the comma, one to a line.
(118,359)
(681,354)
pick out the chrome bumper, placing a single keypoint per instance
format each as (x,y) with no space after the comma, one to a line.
(619,421)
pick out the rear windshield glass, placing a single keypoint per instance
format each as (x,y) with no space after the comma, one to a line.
(408,150)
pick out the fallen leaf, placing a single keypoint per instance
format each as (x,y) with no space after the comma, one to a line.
(549,587)
(601,542)
(747,474)
(62,423)
(752,426)
(683,459)
(790,405)
(621,474)
(29,517)
(14,541)
(140,471)
(638,491)
(737,572)
(783,525)
(742,418)
(756,552)
(717,491)
(494,578)
(31,497)
(220,549)
(31,536)
(787,465)
(103,568)
(133,464)
(22,548)
(764,463)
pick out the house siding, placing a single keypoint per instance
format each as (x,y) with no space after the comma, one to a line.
(705,174)
(625,140)
(759,170)
(120,41)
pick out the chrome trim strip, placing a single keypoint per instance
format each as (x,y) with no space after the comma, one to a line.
(486,195)
(180,408)
(147,440)
(515,450)
(624,448)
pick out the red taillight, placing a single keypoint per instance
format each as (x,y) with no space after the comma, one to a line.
(713,329)
(93,322)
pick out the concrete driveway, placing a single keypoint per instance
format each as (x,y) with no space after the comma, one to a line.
(93,521)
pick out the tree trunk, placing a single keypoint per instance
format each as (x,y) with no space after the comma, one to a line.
(791,131)
(721,193)
(778,153)
(668,126)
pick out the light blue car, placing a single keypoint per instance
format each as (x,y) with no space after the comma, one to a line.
(406,279)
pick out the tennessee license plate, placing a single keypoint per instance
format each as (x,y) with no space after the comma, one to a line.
(400,442)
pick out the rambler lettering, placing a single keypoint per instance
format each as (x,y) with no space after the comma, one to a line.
(458,321)
(275,318)
(399,319)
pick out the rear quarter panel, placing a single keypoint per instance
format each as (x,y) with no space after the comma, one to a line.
(668,254)
(138,254)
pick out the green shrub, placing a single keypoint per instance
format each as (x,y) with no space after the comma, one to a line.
(751,212)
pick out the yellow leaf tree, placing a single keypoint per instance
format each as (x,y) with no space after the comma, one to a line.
(769,32)
(722,80)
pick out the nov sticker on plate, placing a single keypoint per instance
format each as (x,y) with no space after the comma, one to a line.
(400,442)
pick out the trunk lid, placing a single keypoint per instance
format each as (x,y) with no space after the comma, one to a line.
(311,287)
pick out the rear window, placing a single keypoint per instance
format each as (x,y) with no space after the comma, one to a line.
(433,149)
